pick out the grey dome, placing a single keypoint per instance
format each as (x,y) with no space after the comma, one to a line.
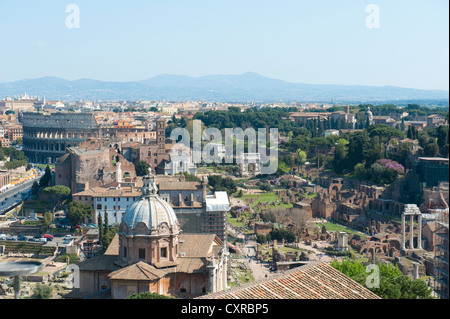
(152,211)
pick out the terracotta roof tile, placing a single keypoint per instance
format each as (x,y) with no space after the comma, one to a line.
(313,281)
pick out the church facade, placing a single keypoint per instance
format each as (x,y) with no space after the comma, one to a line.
(150,253)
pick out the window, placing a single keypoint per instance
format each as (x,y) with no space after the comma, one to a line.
(141,253)
(99,206)
(182,289)
(164,252)
(124,251)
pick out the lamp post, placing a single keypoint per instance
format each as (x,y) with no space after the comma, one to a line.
(17,269)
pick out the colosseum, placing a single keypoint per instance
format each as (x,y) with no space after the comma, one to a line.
(46,136)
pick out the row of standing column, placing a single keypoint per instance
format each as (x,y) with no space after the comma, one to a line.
(411,231)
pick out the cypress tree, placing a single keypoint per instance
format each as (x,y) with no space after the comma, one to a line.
(100,227)
(106,228)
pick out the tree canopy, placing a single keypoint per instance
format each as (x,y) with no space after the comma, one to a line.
(392,283)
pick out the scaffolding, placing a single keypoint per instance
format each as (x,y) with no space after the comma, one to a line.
(441,256)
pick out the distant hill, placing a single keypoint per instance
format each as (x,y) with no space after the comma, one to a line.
(220,88)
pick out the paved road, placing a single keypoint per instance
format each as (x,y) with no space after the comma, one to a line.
(259,270)
(12,194)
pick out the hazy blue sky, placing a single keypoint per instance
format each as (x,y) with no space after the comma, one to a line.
(319,42)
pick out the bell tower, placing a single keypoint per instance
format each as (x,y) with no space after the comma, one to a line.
(161,140)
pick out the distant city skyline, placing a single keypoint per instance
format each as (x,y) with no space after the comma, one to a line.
(320,42)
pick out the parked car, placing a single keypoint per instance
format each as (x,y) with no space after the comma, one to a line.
(11,238)
(67,242)
(44,240)
(21,238)
(32,239)
(48,237)
(37,237)
(2,236)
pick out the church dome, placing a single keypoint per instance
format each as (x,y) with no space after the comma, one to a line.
(152,211)
(150,214)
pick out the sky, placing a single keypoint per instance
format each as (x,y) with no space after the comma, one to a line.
(299,41)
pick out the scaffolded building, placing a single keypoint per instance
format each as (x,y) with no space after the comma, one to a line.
(441,256)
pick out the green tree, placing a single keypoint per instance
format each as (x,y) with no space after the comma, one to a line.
(431,149)
(100,227)
(357,146)
(360,172)
(35,188)
(301,158)
(142,168)
(384,133)
(78,211)
(340,156)
(46,222)
(46,178)
(442,133)
(148,295)
(218,183)
(57,194)
(392,284)
(190,177)
(41,291)
(280,234)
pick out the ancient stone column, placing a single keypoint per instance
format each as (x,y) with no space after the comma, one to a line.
(419,233)
(411,231)
(403,232)
(416,270)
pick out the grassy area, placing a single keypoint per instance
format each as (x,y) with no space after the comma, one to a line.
(234,221)
(311,195)
(265,198)
(288,249)
(27,247)
(241,276)
(340,228)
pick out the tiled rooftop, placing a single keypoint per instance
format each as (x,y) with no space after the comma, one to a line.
(313,281)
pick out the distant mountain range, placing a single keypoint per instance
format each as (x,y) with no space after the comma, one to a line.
(247,87)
